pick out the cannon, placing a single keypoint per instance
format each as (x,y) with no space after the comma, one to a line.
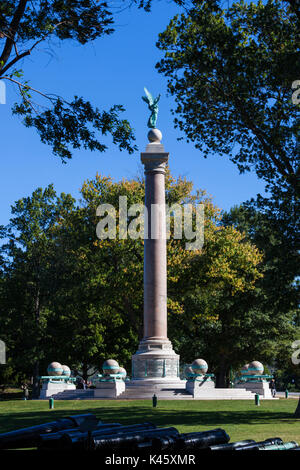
(161,444)
(201,440)
(184,442)
(52,440)
(255,446)
(232,445)
(29,437)
(285,446)
(129,440)
(83,440)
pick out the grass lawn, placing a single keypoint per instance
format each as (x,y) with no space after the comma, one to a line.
(240,419)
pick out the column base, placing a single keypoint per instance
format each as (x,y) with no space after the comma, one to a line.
(155,362)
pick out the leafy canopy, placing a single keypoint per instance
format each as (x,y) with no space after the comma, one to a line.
(231,72)
(63,125)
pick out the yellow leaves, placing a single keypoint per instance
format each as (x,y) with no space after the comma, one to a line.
(175,306)
(232,260)
(213,317)
(226,262)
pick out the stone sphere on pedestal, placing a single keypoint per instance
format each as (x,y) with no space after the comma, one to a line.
(154,136)
(110,367)
(122,372)
(66,371)
(244,370)
(255,368)
(199,366)
(55,368)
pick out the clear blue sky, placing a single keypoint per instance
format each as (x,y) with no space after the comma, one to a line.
(112,70)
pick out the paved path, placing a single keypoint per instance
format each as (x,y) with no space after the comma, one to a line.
(291,394)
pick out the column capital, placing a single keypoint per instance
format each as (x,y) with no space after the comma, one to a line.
(154,161)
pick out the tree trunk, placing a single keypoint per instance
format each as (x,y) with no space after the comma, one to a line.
(221,375)
(297,412)
(36,382)
(85,371)
(36,369)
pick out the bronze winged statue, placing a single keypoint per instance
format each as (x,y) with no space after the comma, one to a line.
(153,106)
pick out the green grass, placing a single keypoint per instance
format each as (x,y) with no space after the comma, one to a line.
(240,419)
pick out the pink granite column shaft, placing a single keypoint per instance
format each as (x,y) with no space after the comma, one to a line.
(155,254)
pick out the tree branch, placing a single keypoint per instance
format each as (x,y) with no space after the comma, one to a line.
(13,31)
(29,88)
(28,52)
(12,62)
(295,6)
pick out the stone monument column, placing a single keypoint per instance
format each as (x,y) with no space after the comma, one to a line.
(155,359)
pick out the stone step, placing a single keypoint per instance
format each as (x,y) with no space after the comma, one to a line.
(74,395)
(137,393)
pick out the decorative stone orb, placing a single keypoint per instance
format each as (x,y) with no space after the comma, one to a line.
(55,368)
(256,368)
(199,366)
(66,371)
(154,136)
(122,372)
(244,370)
(110,367)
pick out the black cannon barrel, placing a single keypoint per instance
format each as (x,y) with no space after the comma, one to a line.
(28,437)
(128,428)
(231,445)
(82,440)
(284,446)
(52,440)
(201,440)
(160,444)
(129,440)
(257,445)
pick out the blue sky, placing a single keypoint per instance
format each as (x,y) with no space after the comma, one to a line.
(112,70)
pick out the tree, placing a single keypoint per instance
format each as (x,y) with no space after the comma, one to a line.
(278,290)
(231,73)
(61,124)
(30,277)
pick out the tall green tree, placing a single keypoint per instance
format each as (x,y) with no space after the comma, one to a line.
(278,290)
(231,72)
(30,277)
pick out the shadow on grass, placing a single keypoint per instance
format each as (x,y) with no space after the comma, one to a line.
(160,417)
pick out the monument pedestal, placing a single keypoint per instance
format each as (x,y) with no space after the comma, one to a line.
(109,389)
(52,388)
(155,362)
(262,388)
(197,387)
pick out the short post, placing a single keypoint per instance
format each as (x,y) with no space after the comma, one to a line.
(51,403)
(257,399)
(286,393)
(154,401)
